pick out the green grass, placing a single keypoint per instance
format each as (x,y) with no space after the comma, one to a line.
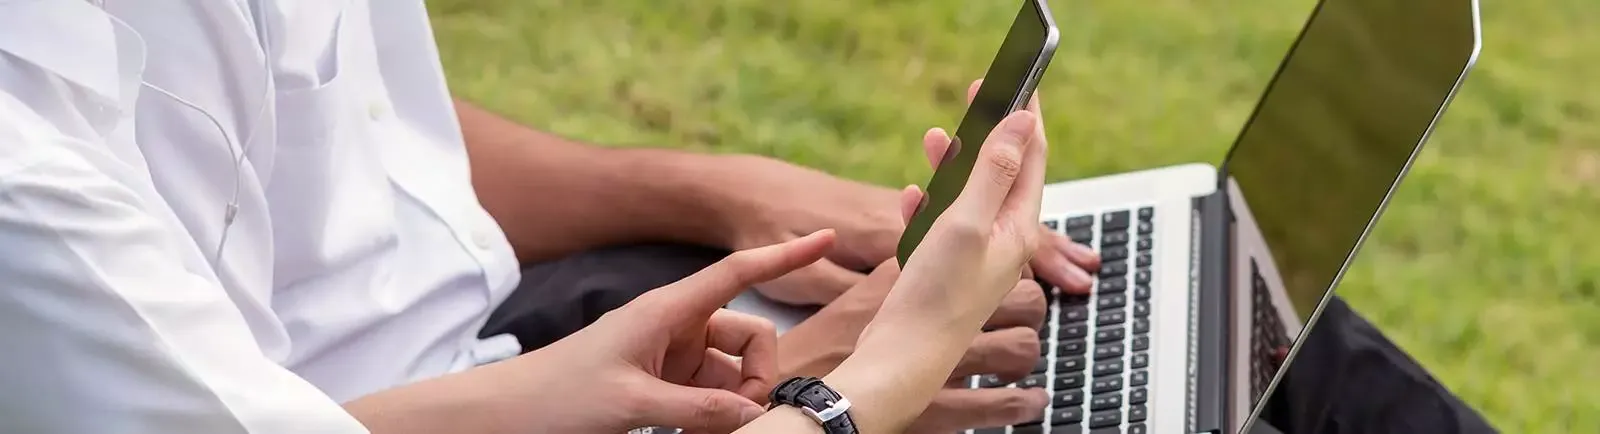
(1486,266)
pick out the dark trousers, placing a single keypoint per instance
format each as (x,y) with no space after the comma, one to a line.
(1347,379)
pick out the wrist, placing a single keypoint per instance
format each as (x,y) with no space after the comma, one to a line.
(891,382)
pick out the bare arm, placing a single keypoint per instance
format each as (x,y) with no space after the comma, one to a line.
(555,196)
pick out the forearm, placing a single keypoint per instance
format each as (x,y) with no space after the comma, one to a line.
(554,196)
(466,402)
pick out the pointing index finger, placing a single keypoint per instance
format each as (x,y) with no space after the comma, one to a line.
(701,294)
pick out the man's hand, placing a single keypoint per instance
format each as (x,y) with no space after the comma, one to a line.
(1009,350)
(783,200)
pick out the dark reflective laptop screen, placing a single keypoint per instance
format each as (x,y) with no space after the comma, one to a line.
(1335,129)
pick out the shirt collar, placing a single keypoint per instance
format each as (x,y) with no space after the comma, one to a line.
(78,42)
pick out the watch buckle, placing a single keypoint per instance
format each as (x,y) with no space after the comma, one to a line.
(834,410)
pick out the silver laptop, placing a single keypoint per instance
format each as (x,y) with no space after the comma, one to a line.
(1212,275)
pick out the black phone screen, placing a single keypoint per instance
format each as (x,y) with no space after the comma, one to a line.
(1005,89)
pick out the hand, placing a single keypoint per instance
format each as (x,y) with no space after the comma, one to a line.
(671,357)
(786,200)
(1059,260)
(993,224)
(972,257)
(1009,350)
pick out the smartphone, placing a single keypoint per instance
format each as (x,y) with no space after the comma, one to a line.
(1006,88)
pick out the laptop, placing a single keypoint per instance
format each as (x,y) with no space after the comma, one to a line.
(1212,275)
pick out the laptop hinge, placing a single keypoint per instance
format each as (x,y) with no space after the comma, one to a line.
(1209,327)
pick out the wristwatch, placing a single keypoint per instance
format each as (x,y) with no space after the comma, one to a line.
(823,404)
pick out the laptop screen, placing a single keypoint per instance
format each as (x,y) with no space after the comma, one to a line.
(1333,133)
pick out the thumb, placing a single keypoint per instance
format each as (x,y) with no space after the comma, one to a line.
(697,410)
(701,294)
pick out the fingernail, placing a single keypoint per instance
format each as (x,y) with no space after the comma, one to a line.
(749,414)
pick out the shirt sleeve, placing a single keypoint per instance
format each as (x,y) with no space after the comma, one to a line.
(102,327)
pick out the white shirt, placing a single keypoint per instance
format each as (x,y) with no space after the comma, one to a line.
(359,258)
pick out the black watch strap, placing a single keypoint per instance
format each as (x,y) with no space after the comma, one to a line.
(825,405)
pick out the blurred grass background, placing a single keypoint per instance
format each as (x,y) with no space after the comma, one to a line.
(1486,267)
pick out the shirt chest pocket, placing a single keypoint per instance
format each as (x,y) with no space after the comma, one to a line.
(331,203)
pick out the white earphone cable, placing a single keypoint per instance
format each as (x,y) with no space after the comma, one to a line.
(236,154)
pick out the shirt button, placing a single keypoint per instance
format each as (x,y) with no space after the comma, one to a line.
(377,110)
(482,239)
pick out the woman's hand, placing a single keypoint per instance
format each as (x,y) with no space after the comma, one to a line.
(670,358)
(970,259)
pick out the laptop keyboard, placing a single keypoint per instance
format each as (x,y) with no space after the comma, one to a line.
(1096,348)
(1267,334)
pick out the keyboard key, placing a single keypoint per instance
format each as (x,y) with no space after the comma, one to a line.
(1139,378)
(1113,317)
(1052,224)
(1071,428)
(1114,220)
(1142,276)
(1117,238)
(1105,401)
(1144,243)
(1074,331)
(1114,253)
(1113,268)
(1000,430)
(1104,352)
(1101,419)
(1035,381)
(1075,347)
(1141,343)
(1069,398)
(1137,414)
(1142,260)
(1138,396)
(1147,214)
(1113,284)
(1081,236)
(1068,382)
(1070,364)
(1141,326)
(1108,335)
(1139,360)
(1028,429)
(1070,300)
(1072,314)
(1113,301)
(1141,292)
(1072,414)
(1146,227)
(1081,221)
(1107,384)
(1138,428)
(1107,430)
(990,381)
(1041,366)
(1109,367)
(1141,309)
